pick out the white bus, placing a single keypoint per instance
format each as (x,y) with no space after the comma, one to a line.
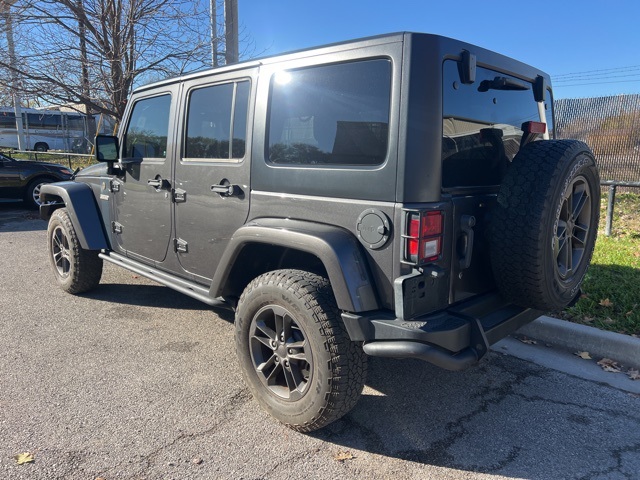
(46,130)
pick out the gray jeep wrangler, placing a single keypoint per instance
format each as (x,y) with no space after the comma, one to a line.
(396,196)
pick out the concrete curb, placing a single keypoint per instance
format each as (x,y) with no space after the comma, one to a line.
(599,343)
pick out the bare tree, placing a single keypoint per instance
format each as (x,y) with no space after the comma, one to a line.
(93,52)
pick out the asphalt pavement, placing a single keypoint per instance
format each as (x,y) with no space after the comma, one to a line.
(136,381)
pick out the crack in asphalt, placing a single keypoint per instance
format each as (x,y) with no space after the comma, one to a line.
(287,462)
(238,399)
(612,413)
(617,456)
(438,454)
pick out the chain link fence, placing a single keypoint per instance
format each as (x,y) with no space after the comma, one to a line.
(611,127)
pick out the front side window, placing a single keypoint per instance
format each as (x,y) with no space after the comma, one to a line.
(148,128)
(331,114)
(482,125)
(215,115)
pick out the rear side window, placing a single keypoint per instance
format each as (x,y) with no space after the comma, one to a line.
(331,114)
(216,114)
(148,128)
(482,125)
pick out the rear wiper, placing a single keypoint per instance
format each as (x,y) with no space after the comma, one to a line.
(502,83)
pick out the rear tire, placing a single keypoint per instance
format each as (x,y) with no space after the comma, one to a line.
(76,270)
(41,147)
(545,224)
(295,355)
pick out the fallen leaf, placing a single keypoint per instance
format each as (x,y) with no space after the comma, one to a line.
(583,355)
(609,365)
(587,319)
(608,321)
(343,456)
(196,461)
(606,303)
(135,276)
(633,374)
(629,313)
(25,457)
(528,341)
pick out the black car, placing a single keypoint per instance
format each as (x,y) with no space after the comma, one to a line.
(23,178)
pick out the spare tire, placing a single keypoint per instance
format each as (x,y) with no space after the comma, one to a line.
(545,223)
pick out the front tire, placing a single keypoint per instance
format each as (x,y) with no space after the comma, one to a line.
(76,270)
(294,353)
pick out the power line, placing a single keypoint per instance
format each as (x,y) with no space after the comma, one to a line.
(594,77)
(609,70)
(594,83)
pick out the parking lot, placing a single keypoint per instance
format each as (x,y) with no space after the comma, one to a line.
(136,381)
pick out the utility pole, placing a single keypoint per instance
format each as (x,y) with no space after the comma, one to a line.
(90,123)
(213,18)
(5,10)
(231,31)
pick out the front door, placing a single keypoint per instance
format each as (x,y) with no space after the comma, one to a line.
(142,193)
(212,171)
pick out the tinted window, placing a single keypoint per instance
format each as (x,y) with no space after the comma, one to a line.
(331,114)
(35,120)
(52,121)
(482,125)
(209,121)
(148,128)
(44,121)
(75,122)
(7,120)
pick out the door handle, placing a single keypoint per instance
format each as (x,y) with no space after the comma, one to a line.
(226,190)
(467,222)
(158,183)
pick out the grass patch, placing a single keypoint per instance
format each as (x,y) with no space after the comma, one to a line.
(611,289)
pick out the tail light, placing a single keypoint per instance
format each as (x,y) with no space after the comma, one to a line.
(422,236)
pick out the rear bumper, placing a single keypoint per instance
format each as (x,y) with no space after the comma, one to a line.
(453,339)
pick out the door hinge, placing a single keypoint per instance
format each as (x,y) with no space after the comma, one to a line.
(116,227)
(115,186)
(180,245)
(179,196)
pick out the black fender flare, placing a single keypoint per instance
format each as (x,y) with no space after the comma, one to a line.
(81,204)
(336,248)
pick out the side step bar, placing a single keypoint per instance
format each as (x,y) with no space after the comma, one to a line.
(179,284)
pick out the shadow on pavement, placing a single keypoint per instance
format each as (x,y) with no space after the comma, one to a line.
(16,217)
(152,296)
(505,417)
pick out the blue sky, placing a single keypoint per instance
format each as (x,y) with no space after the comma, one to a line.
(560,37)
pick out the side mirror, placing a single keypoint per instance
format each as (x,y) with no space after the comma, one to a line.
(107,148)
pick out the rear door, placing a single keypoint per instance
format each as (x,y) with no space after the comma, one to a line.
(211,177)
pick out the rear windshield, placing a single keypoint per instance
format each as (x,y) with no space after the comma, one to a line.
(482,125)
